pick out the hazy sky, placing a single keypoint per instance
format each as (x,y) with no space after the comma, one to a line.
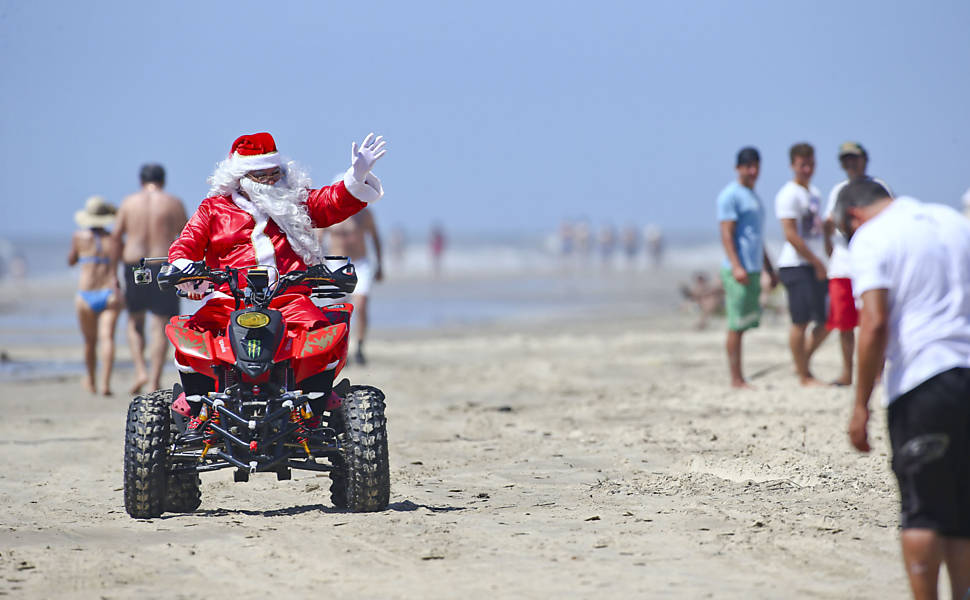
(499,115)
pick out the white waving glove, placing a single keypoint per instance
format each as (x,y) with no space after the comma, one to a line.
(362,159)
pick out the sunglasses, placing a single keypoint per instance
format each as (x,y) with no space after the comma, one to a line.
(265,175)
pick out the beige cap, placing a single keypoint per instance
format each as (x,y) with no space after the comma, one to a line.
(851,149)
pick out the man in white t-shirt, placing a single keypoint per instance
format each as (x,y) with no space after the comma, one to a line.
(910,265)
(800,265)
(842,313)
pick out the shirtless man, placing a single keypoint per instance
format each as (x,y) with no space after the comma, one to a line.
(149,220)
(349,238)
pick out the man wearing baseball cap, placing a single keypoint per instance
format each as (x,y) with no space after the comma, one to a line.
(842,314)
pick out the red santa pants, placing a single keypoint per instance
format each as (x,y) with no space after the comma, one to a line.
(299,315)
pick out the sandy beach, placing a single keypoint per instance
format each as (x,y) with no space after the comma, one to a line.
(575,457)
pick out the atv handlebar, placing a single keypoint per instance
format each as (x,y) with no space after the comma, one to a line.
(323,281)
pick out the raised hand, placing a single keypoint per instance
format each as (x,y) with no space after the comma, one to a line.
(362,158)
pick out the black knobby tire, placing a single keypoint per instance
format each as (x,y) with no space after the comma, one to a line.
(365,477)
(146,447)
(149,488)
(338,475)
(184,490)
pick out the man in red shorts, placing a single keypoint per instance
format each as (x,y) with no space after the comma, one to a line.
(261,210)
(843,316)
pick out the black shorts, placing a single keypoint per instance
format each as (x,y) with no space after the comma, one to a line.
(929,429)
(139,298)
(806,294)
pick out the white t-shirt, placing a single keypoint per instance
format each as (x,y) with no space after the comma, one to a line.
(805,206)
(920,254)
(839,261)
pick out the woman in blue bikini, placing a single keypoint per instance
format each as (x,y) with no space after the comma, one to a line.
(98,300)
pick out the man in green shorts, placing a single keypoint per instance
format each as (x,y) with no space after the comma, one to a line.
(742,218)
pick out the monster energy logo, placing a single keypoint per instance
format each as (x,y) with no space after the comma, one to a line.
(253,348)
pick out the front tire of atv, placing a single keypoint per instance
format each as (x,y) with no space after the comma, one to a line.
(361,475)
(183,490)
(149,488)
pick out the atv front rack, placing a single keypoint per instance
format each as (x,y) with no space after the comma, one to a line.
(270,442)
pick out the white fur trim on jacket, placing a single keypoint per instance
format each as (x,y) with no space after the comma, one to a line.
(263,246)
(257,162)
(369,190)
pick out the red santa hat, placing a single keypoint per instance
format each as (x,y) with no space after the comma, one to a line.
(255,151)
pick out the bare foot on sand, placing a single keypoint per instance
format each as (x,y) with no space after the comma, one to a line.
(742,385)
(810,381)
(139,383)
(88,385)
(842,382)
(107,393)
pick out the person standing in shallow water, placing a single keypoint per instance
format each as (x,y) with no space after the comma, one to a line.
(742,220)
(149,221)
(98,301)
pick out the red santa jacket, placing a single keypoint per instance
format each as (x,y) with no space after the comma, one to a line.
(227,236)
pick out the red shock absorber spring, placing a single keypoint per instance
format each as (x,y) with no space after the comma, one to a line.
(209,437)
(210,434)
(301,432)
(301,429)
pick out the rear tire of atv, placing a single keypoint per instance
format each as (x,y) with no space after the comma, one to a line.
(361,475)
(149,489)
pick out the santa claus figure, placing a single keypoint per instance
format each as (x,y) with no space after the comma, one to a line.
(261,210)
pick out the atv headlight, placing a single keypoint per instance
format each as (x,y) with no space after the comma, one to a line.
(252,320)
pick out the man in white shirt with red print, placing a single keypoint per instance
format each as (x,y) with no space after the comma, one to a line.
(800,264)
(910,265)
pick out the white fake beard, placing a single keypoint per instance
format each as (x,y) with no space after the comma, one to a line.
(284,203)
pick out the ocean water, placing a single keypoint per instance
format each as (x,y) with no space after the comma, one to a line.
(483,279)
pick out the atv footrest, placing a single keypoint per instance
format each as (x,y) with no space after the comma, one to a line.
(308,465)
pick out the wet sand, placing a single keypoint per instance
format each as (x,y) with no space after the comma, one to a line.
(574,458)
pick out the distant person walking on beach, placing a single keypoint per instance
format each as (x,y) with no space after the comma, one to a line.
(399,246)
(911,266)
(742,220)
(800,266)
(98,300)
(630,242)
(843,315)
(437,243)
(654,239)
(349,238)
(607,244)
(148,221)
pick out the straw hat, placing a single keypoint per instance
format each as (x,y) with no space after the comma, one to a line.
(97,213)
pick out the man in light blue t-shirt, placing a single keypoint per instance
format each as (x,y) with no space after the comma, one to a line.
(742,219)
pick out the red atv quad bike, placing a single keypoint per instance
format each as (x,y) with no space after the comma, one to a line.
(256,421)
